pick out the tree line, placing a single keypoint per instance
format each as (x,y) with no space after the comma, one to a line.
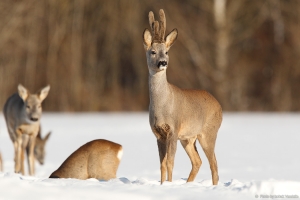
(246,53)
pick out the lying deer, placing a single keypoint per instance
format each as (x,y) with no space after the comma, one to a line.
(178,114)
(22,112)
(98,159)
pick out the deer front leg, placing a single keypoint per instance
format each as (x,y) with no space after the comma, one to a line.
(18,152)
(30,155)
(162,149)
(22,160)
(171,150)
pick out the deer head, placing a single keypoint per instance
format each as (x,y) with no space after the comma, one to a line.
(156,44)
(39,148)
(32,102)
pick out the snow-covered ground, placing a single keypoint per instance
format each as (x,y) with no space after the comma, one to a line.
(257,153)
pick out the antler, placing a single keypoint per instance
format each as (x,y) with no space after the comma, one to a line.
(158,28)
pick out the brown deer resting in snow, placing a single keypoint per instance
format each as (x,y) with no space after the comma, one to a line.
(22,112)
(98,159)
(178,114)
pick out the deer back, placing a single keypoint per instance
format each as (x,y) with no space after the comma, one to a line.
(96,159)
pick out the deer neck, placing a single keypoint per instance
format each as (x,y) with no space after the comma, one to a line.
(159,89)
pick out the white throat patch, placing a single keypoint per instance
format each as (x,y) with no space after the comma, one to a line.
(162,67)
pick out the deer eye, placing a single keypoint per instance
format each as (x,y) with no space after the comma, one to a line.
(153,52)
(166,53)
(27,106)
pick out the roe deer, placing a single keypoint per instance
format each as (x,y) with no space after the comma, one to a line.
(39,148)
(176,113)
(96,159)
(22,112)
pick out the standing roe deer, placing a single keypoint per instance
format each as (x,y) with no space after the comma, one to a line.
(22,112)
(96,159)
(176,113)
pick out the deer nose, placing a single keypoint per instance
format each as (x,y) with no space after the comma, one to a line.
(34,119)
(163,63)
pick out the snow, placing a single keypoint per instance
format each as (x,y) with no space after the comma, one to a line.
(257,154)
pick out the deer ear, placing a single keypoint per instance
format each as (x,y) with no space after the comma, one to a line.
(23,92)
(47,136)
(147,39)
(42,94)
(171,38)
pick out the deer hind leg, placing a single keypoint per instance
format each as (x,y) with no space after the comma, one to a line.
(103,165)
(208,145)
(190,148)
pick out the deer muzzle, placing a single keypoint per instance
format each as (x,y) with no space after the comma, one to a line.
(162,63)
(34,119)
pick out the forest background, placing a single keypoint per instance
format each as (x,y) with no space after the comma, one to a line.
(246,52)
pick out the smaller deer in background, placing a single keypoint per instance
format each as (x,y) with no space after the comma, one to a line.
(39,148)
(22,112)
(98,159)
